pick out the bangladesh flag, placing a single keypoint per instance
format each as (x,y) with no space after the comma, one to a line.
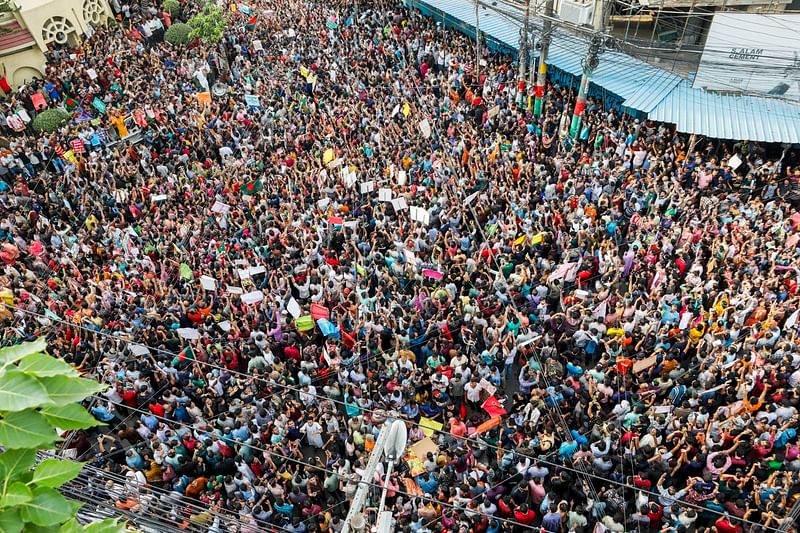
(254,187)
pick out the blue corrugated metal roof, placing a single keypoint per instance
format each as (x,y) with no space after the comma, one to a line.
(729,117)
(650,94)
(618,73)
(502,28)
(664,96)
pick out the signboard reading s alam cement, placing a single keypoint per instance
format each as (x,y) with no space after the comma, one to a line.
(752,53)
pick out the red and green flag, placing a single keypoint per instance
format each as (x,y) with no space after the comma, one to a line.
(253,187)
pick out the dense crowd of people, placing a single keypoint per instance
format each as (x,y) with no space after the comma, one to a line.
(333,219)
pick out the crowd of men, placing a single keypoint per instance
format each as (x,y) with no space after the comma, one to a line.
(335,218)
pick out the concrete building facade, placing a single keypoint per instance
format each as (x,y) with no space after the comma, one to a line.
(32,26)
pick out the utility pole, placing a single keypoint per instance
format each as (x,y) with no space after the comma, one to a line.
(541,78)
(523,55)
(477,42)
(589,64)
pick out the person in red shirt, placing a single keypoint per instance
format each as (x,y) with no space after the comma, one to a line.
(655,514)
(726,524)
(524,515)
(129,397)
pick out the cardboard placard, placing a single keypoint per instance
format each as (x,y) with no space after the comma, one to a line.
(208,283)
(644,364)
(219,207)
(189,333)
(399,204)
(253,297)
(294,308)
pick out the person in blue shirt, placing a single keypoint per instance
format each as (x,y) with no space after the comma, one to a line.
(103,413)
(427,483)
(283,507)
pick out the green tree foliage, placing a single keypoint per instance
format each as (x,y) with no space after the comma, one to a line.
(178,33)
(209,25)
(173,7)
(39,393)
(50,120)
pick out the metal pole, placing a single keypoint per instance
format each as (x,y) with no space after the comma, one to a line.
(683,35)
(523,55)
(541,78)
(477,42)
(369,472)
(589,64)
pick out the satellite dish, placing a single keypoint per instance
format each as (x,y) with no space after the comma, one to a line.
(219,90)
(396,443)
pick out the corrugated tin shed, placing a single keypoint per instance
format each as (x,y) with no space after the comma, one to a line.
(664,96)
(729,117)
(618,73)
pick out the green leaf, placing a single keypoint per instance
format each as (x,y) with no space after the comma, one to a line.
(10,521)
(71,526)
(26,429)
(64,389)
(109,525)
(19,391)
(70,416)
(15,461)
(47,508)
(11,354)
(55,472)
(16,494)
(33,528)
(43,365)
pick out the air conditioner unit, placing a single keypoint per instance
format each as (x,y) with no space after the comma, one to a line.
(576,11)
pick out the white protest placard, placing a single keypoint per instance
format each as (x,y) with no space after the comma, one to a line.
(244,273)
(401,178)
(411,257)
(420,214)
(425,128)
(257,46)
(189,334)
(493,112)
(252,297)
(735,162)
(293,307)
(469,199)
(225,325)
(685,318)
(208,283)
(139,349)
(322,204)
(234,290)
(385,195)
(256,270)
(399,204)
(487,386)
(367,186)
(792,320)
(352,224)
(158,198)
(350,179)
(92,73)
(219,207)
